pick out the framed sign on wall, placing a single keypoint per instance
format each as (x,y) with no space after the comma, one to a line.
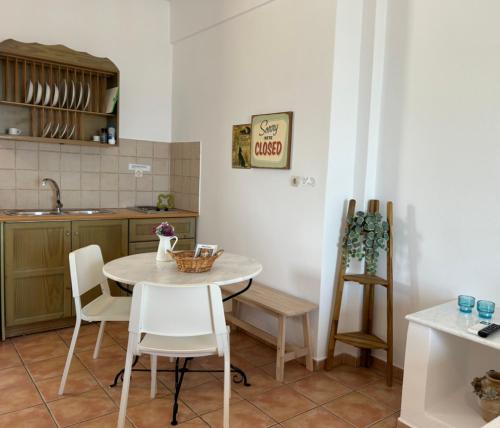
(241,146)
(272,140)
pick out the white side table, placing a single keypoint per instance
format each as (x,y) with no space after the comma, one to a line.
(441,360)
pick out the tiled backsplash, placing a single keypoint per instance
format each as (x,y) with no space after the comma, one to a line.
(185,174)
(96,177)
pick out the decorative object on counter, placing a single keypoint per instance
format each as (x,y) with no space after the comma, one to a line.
(104,135)
(96,138)
(187,262)
(365,339)
(166,234)
(111,135)
(365,235)
(53,84)
(205,250)
(487,389)
(14,131)
(165,201)
(485,309)
(242,146)
(466,303)
(271,140)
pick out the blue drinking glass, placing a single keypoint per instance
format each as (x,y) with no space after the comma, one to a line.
(466,303)
(485,309)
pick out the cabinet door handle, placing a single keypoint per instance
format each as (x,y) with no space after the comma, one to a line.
(76,233)
(68,233)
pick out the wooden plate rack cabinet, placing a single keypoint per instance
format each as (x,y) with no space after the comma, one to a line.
(76,114)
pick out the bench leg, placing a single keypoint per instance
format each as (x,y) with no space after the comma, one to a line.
(280,358)
(306,326)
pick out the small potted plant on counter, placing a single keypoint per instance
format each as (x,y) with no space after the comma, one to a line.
(165,233)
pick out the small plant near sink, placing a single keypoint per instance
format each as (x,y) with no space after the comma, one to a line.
(365,236)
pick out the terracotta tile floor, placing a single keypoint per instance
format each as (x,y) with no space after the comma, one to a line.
(31,367)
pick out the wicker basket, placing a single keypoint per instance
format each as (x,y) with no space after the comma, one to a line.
(186,262)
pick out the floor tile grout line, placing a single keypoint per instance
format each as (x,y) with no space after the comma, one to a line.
(44,403)
(383,419)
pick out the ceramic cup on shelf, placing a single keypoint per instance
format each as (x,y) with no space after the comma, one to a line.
(164,246)
(14,131)
(96,138)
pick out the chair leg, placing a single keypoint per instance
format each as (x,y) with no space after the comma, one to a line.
(70,355)
(280,358)
(229,347)
(125,388)
(98,343)
(227,385)
(154,365)
(306,326)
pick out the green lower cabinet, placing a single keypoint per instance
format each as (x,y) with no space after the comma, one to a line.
(36,273)
(111,236)
(152,246)
(36,278)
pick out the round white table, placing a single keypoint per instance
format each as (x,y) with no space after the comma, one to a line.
(227,269)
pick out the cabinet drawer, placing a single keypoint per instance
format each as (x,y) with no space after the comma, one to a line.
(141,230)
(152,246)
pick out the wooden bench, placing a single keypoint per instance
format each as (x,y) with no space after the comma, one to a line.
(282,306)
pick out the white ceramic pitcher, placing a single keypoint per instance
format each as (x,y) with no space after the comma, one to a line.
(164,246)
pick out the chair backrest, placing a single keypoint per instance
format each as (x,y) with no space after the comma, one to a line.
(177,311)
(85,266)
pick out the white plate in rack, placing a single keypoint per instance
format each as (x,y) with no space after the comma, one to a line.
(39,90)
(53,134)
(87,101)
(80,96)
(46,100)
(71,132)
(29,92)
(55,96)
(64,92)
(46,130)
(71,101)
(63,132)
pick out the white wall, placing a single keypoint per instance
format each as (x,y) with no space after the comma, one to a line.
(133,34)
(275,57)
(193,16)
(439,151)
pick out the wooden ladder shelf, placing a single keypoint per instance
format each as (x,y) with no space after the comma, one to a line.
(365,339)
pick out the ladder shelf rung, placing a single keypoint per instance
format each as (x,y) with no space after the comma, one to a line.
(361,340)
(366,279)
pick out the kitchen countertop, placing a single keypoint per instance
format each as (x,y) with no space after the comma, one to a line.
(118,213)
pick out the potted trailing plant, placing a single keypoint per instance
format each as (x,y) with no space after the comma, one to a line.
(165,233)
(365,236)
(487,389)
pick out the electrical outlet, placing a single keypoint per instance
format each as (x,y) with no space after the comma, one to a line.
(297,181)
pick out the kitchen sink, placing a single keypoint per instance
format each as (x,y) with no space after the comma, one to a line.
(36,213)
(86,212)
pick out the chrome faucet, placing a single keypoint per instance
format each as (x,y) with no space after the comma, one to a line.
(59,204)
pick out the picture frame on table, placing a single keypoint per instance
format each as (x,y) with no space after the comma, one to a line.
(205,250)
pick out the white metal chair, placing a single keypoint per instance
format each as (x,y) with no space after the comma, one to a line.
(86,273)
(176,321)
